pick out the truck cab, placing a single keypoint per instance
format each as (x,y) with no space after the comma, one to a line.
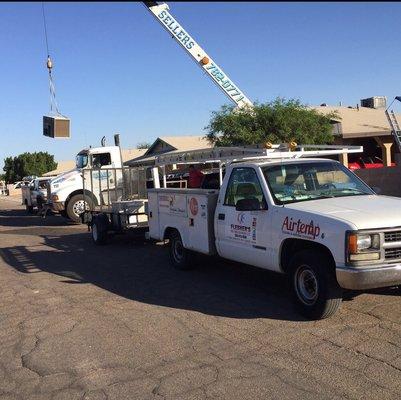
(311,219)
(67,190)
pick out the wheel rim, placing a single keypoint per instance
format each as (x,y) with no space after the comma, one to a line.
(178,250)
(79,207)
(306,285)
(94,232)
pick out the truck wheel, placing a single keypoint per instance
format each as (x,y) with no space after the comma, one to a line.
(100,227)
(316,291)
(180,257)
(76,206)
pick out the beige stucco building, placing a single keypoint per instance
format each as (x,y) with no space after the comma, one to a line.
(363,126)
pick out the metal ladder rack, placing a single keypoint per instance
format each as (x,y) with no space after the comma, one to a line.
(395,128)
(226,155)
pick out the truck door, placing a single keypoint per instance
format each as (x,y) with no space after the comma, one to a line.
(243,222)
(104,178)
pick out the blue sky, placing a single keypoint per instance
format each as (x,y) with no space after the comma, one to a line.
(117,70)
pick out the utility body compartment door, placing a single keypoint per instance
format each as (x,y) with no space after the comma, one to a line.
(189,211)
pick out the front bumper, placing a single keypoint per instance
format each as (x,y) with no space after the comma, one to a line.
(369,277)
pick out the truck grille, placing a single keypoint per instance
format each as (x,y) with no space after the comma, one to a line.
(393,236)
(392,254)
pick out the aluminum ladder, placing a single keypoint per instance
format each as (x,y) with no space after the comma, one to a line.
(395,128)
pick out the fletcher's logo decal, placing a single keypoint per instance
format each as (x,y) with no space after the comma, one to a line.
(241,218)
(242,229)
(299,228)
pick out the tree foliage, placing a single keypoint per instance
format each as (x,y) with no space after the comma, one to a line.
(143,145)
(26,164)
(279,121)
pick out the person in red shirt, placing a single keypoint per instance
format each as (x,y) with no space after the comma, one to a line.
(195,177)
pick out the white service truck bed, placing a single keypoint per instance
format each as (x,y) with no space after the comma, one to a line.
(190,211)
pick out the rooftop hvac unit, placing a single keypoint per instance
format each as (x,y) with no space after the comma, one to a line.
(56,127)
(374,102)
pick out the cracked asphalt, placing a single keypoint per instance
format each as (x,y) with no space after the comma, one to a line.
(117,322)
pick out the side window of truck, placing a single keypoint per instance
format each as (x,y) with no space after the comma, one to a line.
(99,160)
(244,184)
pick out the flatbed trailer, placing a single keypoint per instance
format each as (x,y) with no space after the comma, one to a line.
(115,201)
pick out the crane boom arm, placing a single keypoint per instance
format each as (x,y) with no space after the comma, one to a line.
(162,14)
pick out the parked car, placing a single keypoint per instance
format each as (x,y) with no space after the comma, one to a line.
(367,162)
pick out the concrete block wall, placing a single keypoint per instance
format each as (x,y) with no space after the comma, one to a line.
(388,179)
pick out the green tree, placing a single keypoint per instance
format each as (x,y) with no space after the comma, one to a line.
(25,164)
(279,121)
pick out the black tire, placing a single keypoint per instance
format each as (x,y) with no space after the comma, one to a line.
(99,229)
(75,207)
(180,257)
(39,202)
(316,292)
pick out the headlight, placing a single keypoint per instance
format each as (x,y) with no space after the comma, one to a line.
(363,242)
(363,246)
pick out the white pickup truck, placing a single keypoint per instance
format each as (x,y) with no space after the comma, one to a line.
(311,219)
(34,193)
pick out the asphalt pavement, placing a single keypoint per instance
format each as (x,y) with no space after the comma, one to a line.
(79,321)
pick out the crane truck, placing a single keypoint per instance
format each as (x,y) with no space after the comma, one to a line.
(162,14)
(66,193)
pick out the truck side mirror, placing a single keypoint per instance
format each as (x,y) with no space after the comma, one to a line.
(250,204)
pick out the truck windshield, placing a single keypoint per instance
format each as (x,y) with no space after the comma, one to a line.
(296,182)
(82,160)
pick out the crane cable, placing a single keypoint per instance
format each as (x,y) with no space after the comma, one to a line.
(49,65)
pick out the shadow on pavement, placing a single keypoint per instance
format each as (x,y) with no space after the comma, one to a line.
(21,218)
(140,271)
